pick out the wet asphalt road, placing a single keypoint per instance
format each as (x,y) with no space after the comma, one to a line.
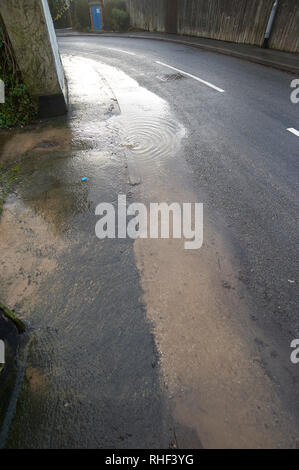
(244,160)
(107,386)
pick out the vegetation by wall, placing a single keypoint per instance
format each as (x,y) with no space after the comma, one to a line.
(19,108)
(60,12)
(80,14)
(76,13)
(116,17)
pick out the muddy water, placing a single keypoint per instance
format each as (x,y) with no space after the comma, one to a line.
(134,344)
(195,300)
(92,376)
(42,139)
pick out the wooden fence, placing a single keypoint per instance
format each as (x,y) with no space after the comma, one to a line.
(241,21)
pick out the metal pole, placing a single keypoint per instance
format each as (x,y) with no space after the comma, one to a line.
(270,24)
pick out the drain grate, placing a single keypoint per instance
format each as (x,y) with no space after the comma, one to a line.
(170,77)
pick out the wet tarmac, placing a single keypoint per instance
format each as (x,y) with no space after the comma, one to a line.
(134,344)
(93,367)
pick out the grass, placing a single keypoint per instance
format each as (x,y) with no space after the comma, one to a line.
(19,108)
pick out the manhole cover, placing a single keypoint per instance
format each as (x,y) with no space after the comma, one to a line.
(170,77)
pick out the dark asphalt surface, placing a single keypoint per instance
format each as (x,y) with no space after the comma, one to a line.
(279,60)
(244,161)
(244,168)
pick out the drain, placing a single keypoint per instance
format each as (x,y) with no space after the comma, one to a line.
(170,77)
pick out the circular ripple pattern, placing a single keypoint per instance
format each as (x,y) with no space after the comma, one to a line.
(152,138)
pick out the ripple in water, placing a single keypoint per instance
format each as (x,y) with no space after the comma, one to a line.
(152,138)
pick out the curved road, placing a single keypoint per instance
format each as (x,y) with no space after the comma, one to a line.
(176,347)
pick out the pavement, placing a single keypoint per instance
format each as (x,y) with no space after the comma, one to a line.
(141,343)
(288,62)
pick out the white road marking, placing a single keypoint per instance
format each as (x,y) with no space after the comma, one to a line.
(192,76)
(118,50)
(294,131)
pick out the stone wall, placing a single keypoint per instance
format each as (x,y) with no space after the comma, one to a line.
(31,32)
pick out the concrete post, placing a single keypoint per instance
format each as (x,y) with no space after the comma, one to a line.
(32,35)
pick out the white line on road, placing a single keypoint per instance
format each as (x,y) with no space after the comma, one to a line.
(192,76)
(119,50)
(294,131)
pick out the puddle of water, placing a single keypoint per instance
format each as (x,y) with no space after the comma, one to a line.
(152,138)
(88,382)
(29,251)
(15,143)
(147,129)
(147,126)
(195,323)
(101,379)
(92,103)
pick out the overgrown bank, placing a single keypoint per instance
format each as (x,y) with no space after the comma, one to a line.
(19,108)
(77,15)
(116,16)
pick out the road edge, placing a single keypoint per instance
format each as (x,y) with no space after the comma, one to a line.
(239,55)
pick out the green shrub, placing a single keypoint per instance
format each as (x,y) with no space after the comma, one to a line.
(60,11)
(80,14)
(120,20)
(116,17)
(58,8)
(18,109)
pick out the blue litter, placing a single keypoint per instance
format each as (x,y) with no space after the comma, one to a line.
(84,179)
